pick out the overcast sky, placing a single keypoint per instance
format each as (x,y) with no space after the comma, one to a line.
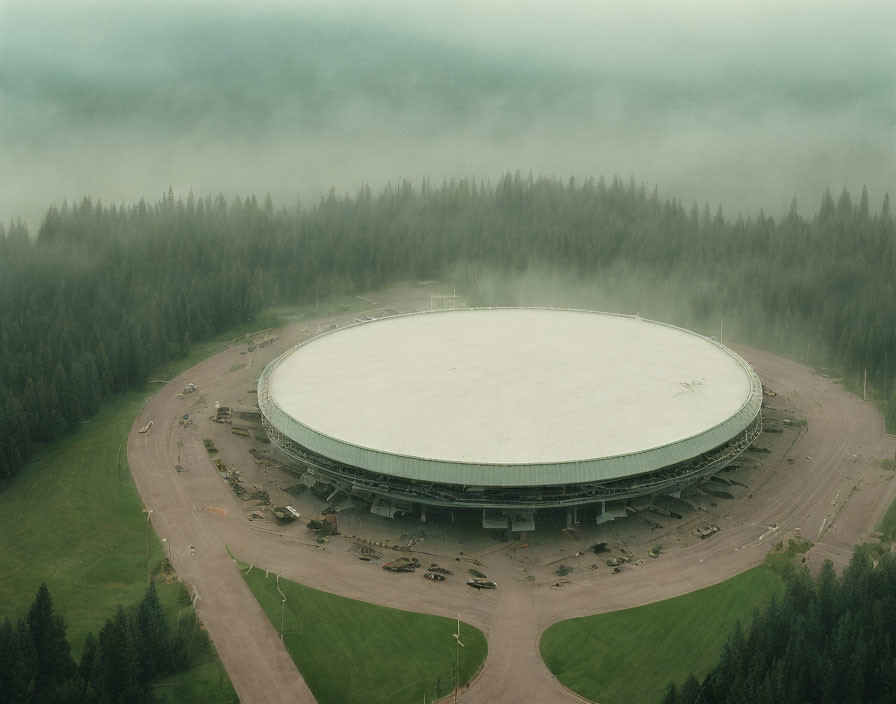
(732,103)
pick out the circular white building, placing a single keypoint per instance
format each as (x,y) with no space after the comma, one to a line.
(510,409)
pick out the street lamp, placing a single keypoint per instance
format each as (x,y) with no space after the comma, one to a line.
(457,663)
(147,511)
(282,602)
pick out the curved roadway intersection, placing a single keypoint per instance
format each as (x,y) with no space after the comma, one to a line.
(839,493)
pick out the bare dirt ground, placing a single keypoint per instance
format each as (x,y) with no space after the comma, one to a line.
(832,493)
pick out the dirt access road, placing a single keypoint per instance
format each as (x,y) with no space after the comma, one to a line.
(834,499)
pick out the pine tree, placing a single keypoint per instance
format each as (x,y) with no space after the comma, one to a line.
(52,650)
(671,695)
(104,370)
(691,693)
(27,673)
(119,667)
(87,668)
(31,406)
(154,645)
(14,682)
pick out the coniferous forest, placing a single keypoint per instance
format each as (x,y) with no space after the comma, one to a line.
(829,639)
(102,294)
(120,664)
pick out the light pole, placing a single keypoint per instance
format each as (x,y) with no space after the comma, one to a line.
(147,511)
(457,662)
(282,602)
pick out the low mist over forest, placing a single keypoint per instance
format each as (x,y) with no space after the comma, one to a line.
(400,140)
(176,174)
(105,293)
(739,104)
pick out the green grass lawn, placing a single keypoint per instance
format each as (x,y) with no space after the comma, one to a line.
(72,518)
(207,682)
(351,651)
(632,655)
(887,524)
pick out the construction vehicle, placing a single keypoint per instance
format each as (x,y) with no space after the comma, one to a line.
(434,577)
(222,415)
(441,570)
(706,531)
(324,525)
(481,584)
(190,388)
(402,564)
(616,561)
(145,428)
(654,551)
(287,514)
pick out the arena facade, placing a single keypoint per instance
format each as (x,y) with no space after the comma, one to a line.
(510,410)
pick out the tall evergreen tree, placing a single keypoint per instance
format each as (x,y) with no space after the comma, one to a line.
(119,667)
(15,680)
(53,652)
(830,640)
(153,638)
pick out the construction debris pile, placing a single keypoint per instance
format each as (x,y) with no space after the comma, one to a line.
(232,478)
(324,525)
(262,496)
(188,389)
(402,564)
(222,415)
(706,531)
(287,514)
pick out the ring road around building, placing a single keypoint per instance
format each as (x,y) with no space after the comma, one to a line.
(510,410)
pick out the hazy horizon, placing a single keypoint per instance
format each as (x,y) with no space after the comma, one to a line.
(743,106)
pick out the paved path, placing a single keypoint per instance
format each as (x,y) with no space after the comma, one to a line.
(834,499)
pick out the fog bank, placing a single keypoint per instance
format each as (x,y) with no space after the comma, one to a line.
(745,106)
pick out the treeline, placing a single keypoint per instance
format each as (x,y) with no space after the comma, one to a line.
(829,639)
(104,294)
(132,650)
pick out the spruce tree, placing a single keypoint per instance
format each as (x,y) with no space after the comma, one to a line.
(671,694)
(154,646)
(119,669)
(87,668)
(691,692)
(28,672)
(52,650)
(14,682)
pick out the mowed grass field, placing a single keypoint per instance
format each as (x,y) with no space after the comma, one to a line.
(350,651)
(73,518)
(632,655)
